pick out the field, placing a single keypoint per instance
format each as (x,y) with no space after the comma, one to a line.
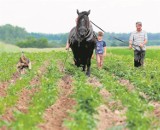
(56,95)
(4,48)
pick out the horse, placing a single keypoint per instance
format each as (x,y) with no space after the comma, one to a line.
(82,41)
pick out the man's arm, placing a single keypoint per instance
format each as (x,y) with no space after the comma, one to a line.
(145,41)
(67,45)
(130,44)
(131,41)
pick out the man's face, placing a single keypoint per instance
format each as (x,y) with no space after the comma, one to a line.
(139,27)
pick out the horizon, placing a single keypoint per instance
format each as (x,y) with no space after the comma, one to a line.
(68,32)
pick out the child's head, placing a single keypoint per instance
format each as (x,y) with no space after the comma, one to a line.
(100,35)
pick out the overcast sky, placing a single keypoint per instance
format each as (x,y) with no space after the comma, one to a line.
(58,16)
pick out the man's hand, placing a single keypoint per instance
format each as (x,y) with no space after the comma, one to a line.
(141,45)
(67,48)
(104,54)
(130,46)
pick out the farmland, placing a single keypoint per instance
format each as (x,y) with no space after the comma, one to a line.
(56,95)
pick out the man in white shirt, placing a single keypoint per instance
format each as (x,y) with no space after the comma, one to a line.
(138,40)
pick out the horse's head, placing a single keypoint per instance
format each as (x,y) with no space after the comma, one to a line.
(82,23)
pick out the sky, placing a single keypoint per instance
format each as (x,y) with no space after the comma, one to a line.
(58,16)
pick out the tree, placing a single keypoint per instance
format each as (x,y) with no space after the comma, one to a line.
(12,34)
(32,42)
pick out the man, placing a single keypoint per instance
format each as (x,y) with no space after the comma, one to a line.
(138,40)
(100,50)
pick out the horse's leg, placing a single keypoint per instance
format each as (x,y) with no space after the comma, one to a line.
(84,68)
(77,63)
(89,60)
(88,67)
(88,71)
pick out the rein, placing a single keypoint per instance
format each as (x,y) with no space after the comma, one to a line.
(65,60)
(134,46)
(111,35)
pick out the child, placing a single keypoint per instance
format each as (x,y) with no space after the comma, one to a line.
(100,50)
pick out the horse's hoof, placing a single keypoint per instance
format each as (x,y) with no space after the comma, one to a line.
(88,74)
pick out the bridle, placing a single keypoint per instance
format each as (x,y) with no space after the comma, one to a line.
(133,46)
(87,24)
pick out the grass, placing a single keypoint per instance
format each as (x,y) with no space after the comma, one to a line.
(150,52)
(8,48)
(4,47)
(8,63)
(31,50)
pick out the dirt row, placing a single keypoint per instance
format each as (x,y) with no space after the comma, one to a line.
(54,116)
(107,117)
(5,85)
(110,114)
(131,87)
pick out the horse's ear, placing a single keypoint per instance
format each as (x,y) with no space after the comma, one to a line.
(89,12)
(77,11)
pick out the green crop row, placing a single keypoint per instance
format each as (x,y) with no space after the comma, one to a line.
(40,101)
(145,79)
(136,107)
(14,89)
(87,100)
(8,63)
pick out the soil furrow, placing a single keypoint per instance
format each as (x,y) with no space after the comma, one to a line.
(110,114)
(5,85)
(55,115)
(155,104)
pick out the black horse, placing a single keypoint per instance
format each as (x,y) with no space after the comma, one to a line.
(82,41)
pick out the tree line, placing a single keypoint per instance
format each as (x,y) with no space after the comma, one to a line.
(20,37)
